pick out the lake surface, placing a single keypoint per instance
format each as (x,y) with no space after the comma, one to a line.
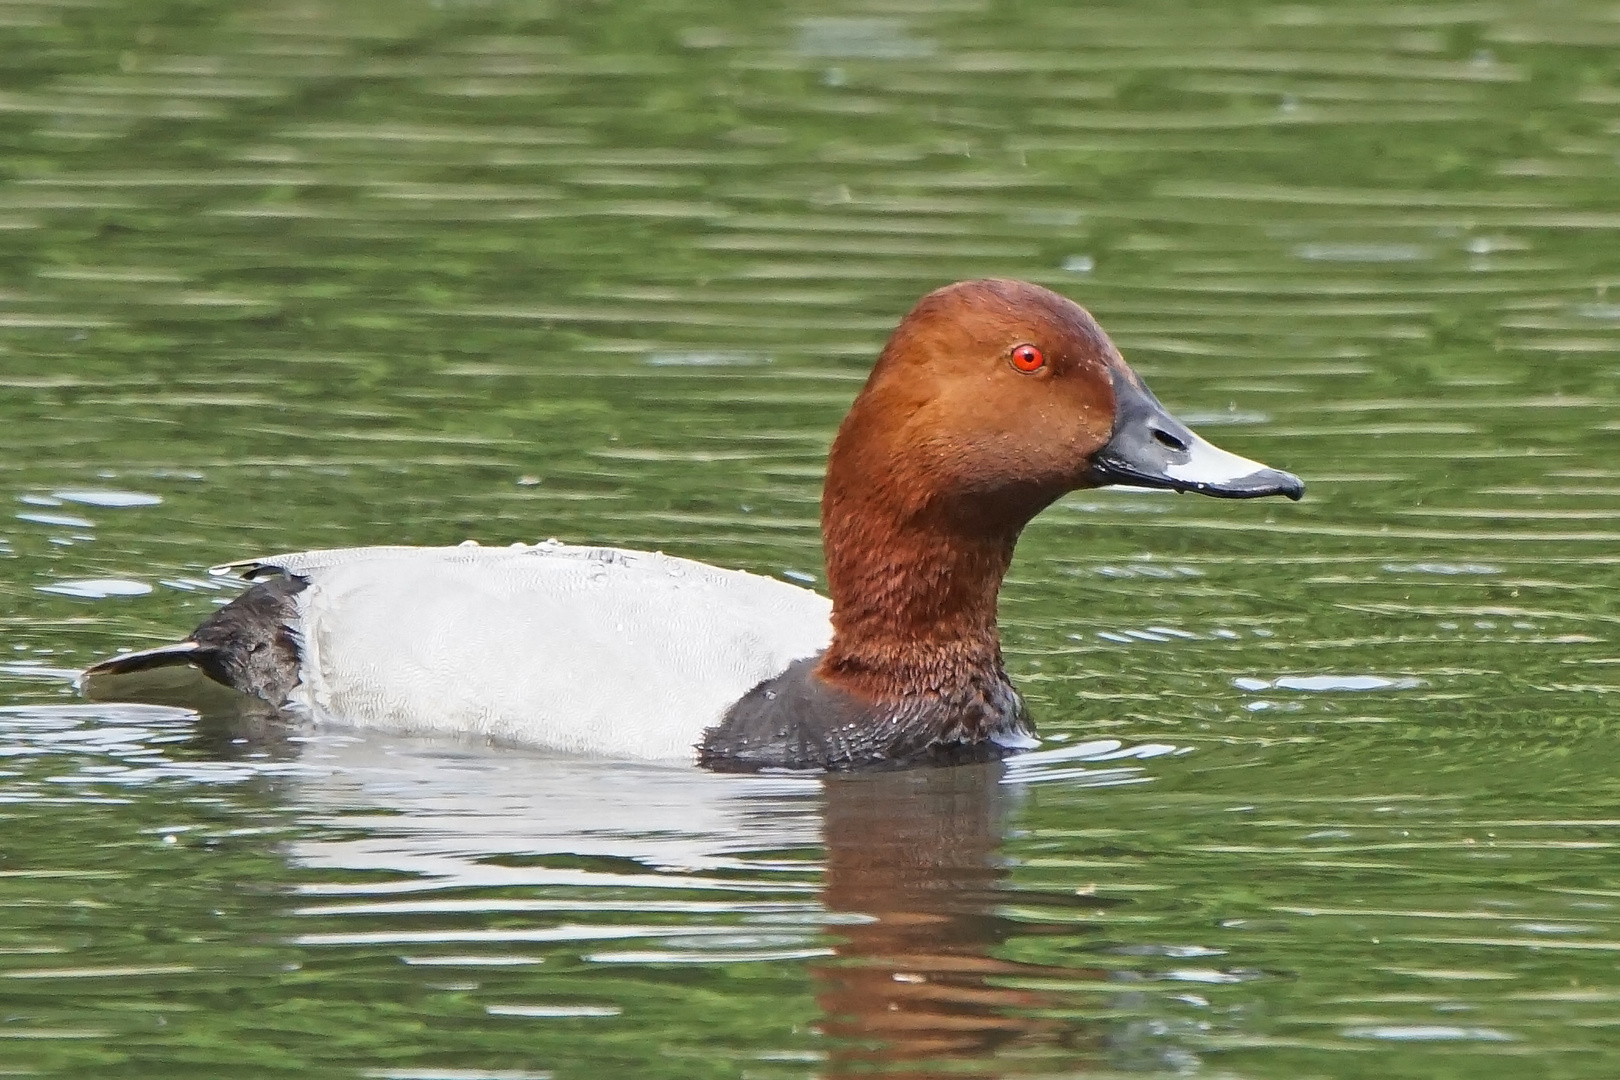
(1329,788)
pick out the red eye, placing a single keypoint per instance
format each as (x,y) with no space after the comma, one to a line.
(1027,358)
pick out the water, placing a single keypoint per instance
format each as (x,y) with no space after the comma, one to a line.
(1328,790)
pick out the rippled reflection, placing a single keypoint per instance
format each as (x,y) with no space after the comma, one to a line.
(901,918)
(1101,905)
(920,981)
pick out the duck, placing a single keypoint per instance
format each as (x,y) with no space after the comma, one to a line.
(991,399)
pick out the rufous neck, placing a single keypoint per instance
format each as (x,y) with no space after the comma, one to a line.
(914,594)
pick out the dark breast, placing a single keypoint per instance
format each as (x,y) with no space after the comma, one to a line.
(798,721)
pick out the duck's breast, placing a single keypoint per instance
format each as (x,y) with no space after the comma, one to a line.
(586,650)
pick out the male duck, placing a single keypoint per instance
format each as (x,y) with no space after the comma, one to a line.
(990,400)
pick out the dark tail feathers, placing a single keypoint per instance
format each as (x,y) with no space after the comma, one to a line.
(177,654)
(249,644)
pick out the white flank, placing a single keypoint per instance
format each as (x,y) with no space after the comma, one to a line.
(584,650)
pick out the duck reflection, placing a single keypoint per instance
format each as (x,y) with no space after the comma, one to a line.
(919,989)
(914,981)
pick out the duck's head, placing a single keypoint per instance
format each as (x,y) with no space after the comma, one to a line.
(992,398)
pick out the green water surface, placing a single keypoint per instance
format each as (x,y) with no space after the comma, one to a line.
(1330,789)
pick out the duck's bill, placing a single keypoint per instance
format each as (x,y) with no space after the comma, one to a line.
(1151,448)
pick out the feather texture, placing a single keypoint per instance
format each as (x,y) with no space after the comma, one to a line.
(584,650)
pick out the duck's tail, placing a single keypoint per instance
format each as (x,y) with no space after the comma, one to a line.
(250,645)
(173,655)
(177,674)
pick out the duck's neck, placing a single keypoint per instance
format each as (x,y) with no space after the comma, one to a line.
(914,596)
